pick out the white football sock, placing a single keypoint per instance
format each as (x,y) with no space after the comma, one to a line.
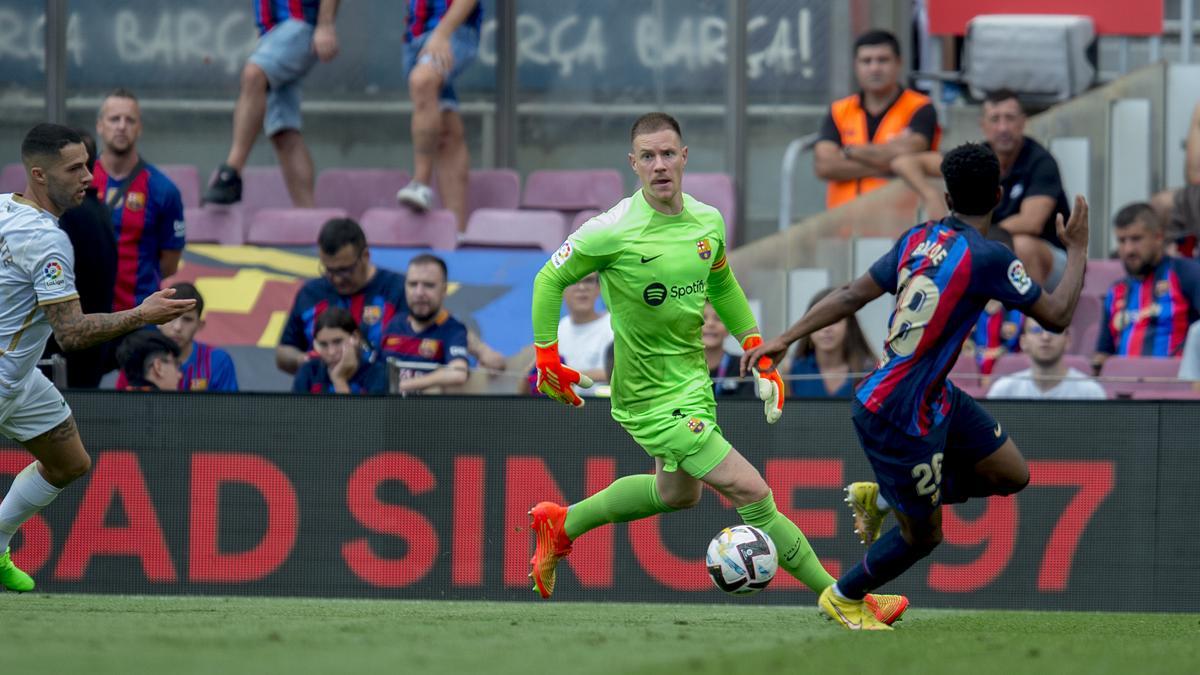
(881,503)
(28,495)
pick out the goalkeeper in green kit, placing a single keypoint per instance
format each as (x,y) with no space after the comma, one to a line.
(660,255)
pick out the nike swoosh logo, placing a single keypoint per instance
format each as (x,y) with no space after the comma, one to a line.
(852,625)
(646,260)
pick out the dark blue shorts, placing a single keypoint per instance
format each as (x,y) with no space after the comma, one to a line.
(910,469)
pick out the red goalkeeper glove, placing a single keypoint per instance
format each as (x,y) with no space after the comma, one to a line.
(555,380)
(767,381)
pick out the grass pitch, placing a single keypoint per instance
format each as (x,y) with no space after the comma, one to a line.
(122,634)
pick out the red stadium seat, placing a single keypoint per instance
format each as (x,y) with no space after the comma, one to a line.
(716,190)
(12,178)
(1008,364)
(507,228)
(1101,275)
(357,190)
(493,189)
(1123,375)
(572,190)
(402,227)
(187,179)
(965,372)
(289,227)
(215,224)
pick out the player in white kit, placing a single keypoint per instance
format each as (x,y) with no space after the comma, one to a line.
(37,297)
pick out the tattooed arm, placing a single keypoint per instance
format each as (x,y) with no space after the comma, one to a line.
(75,330)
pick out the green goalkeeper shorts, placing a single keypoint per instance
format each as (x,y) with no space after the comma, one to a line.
(680,435)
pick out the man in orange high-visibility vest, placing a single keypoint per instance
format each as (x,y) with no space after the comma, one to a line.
(864,132)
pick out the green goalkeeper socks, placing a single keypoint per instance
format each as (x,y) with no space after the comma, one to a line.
(628,498)
(795,554)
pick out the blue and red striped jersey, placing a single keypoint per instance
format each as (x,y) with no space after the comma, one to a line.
(270,13)
(146,221)
(997,332)
(442,342)
(943,274)
(313,378)
(372,308)
(424,16)
(1150,315)
(208,368)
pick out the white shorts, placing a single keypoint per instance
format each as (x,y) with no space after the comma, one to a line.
(36,408)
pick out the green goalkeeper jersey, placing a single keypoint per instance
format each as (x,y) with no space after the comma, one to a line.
(656,271)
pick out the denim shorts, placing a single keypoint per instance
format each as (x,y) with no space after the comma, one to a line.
(285,53)
(464,45)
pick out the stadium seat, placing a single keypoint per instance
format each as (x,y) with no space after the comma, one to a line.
(214,224)
(289,227)
(1101,275)
(262,188)
(12,178)
(1123,375)
(493,189)
(716,190)
(582,217)
(1167,394)
(187,179)
(1008,364)
(401,227)
(506,228)
(357,190)
(572,190)
(1085,326)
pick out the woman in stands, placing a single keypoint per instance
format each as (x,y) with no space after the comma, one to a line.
(343,365)
(835,353)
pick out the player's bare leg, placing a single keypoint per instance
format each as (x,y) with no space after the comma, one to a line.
(296,165)
(453,166)
(60,459)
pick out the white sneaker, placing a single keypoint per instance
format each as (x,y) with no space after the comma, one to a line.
(416,196)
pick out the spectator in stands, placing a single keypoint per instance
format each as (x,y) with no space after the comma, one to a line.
(90,230)
(293,36)
(833,353)
(343,365)
(427,333)
(147,209)
(1032,188)
(349,280)
(440,40)
(1148,312)
(1180,208)
(864,132)
(149,361)
(584,333)
(722,366)
(1049,376)
(205,368)
(1189,365)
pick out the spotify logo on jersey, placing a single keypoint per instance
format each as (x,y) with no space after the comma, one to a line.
(654,294)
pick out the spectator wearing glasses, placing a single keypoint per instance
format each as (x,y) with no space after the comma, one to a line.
(343,365)
(1048,377)
(348,280)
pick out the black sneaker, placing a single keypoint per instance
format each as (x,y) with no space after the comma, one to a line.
(226,188)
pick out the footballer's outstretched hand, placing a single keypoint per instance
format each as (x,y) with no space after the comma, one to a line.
(556,380)
(766,378)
